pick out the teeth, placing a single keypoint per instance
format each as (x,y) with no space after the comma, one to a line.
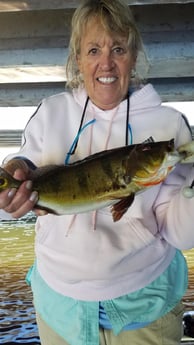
(107,80)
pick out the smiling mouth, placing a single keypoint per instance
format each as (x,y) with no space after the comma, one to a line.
(107,80)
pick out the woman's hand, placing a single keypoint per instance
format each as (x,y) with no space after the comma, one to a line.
(19,201)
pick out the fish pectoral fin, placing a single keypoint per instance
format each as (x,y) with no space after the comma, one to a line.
(46,209)
(121,207)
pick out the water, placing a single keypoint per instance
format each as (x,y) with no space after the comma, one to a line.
(17,315)
(189,296)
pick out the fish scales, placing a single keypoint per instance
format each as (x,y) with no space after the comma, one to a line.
(108,178)
(74,183)
(99,180)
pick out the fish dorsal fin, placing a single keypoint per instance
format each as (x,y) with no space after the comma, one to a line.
(119,209)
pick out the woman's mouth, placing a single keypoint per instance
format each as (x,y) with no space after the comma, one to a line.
(107,80)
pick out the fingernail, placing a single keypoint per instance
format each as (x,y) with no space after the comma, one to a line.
(12,192)
(34,196)
(29,185)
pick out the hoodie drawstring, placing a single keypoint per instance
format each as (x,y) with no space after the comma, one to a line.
(75,142)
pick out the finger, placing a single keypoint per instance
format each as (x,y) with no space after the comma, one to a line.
(6,197)
(23,201)
(19,197)
(20,174)
(16,164)
(26,207)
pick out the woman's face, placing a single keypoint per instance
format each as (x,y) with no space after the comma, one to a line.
(105,62)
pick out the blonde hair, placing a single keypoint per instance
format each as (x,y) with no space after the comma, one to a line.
(115,16)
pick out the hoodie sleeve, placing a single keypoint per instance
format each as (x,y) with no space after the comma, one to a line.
(174,212)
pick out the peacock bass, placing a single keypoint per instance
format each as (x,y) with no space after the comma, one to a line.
(108,178)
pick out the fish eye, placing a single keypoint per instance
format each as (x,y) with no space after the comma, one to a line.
(2,182)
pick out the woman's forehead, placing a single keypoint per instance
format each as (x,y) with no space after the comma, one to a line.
(95,31)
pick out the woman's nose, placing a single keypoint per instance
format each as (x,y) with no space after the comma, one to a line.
(106,61)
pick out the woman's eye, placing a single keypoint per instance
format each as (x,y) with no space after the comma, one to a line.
(93,51)
(119,50)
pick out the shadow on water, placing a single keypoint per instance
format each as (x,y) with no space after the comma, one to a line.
(17,315)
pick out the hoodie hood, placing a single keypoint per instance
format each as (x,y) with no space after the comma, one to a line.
(143,98)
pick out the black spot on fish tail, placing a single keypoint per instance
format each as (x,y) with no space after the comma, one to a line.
(119,209)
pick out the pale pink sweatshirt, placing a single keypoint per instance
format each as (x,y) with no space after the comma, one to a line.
(88,256)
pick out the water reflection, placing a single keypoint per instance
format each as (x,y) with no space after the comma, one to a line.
(189,296)
(17,316)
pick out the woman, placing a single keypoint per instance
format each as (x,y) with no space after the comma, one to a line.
(95,281)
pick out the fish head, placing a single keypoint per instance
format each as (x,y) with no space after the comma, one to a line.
(7,181)
(169,162)
(155,161)
(171,159)
(147,164)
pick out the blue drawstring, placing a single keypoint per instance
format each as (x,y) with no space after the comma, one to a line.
(76,140)
(80,130)
(79,133)
(131,134)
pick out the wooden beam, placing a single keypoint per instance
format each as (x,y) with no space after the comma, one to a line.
(174,89)
(14,95)
(35,29)
(159,2)
(32,74)
(160,66)
(33,49)
(19,95)
(31,5)
(10,138)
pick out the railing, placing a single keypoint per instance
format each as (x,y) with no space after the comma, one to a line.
(13,137)
(10,137)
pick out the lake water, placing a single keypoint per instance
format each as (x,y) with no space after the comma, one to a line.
(17,316)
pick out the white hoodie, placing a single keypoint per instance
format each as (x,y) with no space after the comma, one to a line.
(88,256)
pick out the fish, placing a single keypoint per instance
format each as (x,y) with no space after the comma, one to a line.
(109,178)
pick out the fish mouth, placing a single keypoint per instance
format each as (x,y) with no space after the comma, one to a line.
(168,165)
(172,159)
(187,152)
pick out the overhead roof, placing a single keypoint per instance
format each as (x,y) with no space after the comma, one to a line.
(34,38)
